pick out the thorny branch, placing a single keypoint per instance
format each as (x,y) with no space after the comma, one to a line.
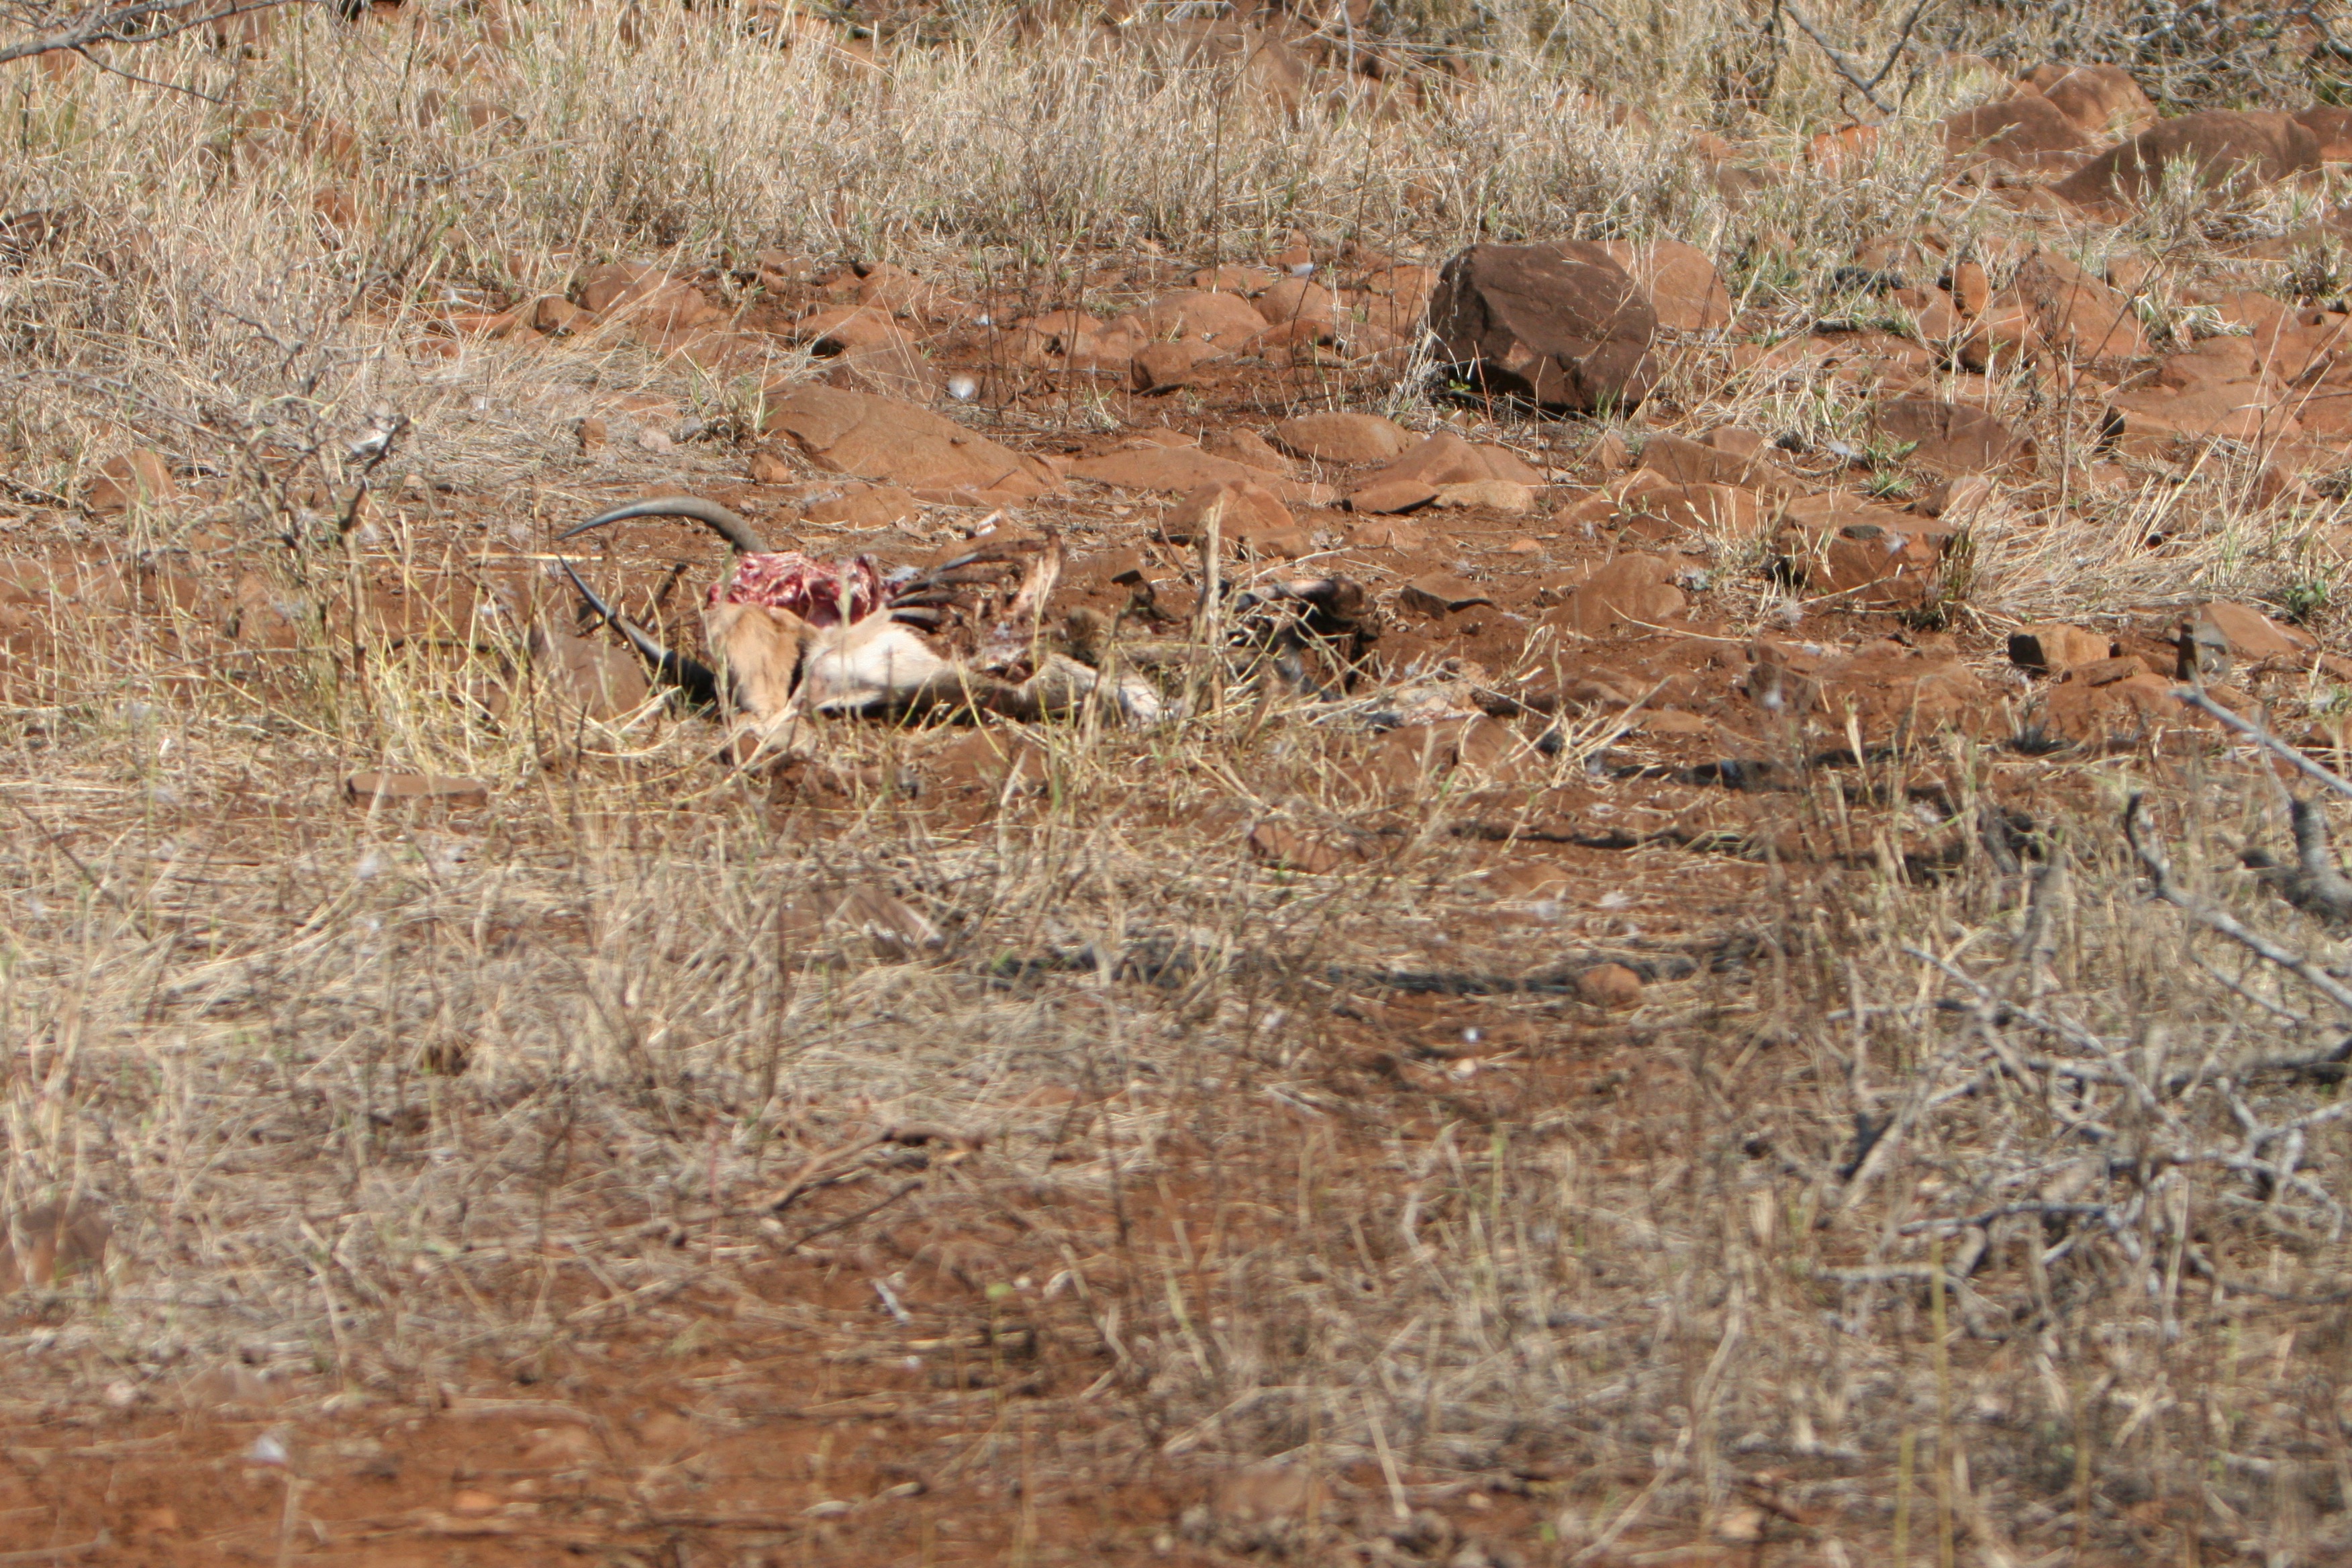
(2158,867)
(1845,67)
(2147,1121)
(148,22)
(2265,739)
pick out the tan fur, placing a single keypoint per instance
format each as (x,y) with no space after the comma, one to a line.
(780,665)
(762,649)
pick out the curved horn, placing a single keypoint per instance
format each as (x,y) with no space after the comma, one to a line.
(721,522)
(691,676)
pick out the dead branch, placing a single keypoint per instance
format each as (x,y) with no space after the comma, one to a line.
(853,1216)
(1847,68)
(2152,860)
(825,1168)
(148,22)
(2265,739)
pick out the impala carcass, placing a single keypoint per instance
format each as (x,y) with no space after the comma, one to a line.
(792,634)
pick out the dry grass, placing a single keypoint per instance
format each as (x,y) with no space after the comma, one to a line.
(1930,1195)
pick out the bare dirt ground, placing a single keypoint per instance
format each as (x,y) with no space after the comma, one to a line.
(1575,992)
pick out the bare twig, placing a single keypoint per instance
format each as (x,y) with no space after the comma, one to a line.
(149,22)
(2160,874)
(821,1168)
(2265,739)
(1868,87)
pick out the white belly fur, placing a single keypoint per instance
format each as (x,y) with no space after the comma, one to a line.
(874,661)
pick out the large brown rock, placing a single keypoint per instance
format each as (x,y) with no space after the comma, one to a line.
(1949,438)
(1340,437)
(2220,390)
(2077,314)
(1179,470)
(2027,132)
(602,683)
(1225,319)
(1560,325)
(2220,146)
(1885,692)
(846,432)
(1445,458)
(2332,129)
(135,478)
(1866,557)
(1683,285)
(2101,100)
(1632,589)
(1683,461)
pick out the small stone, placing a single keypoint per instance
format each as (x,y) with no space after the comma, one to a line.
(473,1504)
(1610,985)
